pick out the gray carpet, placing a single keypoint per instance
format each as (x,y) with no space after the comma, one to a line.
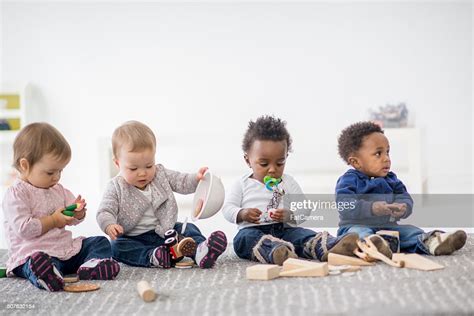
(224,290)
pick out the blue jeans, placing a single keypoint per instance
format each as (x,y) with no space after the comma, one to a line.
(412,238)
(92,248)
(247,238)
(136,250)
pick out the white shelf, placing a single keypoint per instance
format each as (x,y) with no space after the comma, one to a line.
(10,113)
(7,137)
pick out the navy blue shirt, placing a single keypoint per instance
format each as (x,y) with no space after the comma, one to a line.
(355,193)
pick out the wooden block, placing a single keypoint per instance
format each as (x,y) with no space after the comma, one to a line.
(369,248)
(316,271)
(292,263)
(146,292)
(81,287)
(263,272)
(416,261)
(389,232)
(344,268)
(298,267)
(71,278)
(340,260)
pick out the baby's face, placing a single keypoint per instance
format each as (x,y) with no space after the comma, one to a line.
(373,158)
(267,157)
(46,173)
(138,167)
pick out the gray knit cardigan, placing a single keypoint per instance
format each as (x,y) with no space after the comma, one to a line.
(124,204)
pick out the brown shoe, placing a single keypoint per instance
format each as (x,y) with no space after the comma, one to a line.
(382,245)
(280,254)
(344,246)
(440,244)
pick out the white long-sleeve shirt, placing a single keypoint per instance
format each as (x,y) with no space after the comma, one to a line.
(250,193)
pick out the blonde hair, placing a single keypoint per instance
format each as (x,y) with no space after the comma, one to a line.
(133,133)
(37,140)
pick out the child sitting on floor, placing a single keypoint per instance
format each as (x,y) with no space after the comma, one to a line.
(380,199)
(264,231)
(40,248)
(139,207)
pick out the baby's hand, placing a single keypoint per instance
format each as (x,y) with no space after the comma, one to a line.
(398,209)
(200,173)
(381,208)
(60,220)
(80,212)
(251,215)
(114,230)
(280,215)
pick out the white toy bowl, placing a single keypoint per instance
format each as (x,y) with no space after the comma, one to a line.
(211,190)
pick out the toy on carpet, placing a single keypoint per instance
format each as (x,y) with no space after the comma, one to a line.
(71,278)
(185,264)
(304,268)
(3,272)
(291,268)
(369,252)
(416,261)
(335,259)
(366,254)
(81,287)
(146,292)
(179,246)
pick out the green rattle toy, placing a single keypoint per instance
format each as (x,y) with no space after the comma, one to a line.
(270,182)
(69,210)
(3,272)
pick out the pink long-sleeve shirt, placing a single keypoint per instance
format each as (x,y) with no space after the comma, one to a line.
(23,206)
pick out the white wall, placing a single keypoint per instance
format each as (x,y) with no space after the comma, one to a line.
(196,73)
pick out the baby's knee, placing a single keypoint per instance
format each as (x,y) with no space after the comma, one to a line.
(362,231)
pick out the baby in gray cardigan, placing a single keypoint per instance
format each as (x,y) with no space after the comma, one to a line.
(139,207)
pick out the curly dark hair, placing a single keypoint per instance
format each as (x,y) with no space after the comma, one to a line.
(351,137)
(266,128)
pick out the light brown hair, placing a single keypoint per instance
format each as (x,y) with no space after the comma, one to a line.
(36,140)
(135,134)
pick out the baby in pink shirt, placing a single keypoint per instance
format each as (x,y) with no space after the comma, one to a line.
(40,248)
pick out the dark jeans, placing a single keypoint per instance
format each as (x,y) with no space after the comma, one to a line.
(92,248)
(412,238)
(136,250)
(247,238)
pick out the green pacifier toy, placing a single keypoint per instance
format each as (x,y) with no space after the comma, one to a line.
(69,210)
(271,182)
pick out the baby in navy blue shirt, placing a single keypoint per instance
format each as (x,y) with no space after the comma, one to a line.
(376,199)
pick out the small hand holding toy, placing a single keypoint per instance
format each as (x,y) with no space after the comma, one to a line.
(76,210)
(381,208)
(200,173)
(60,220)
(398,209)
(279,215)
(251,215)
